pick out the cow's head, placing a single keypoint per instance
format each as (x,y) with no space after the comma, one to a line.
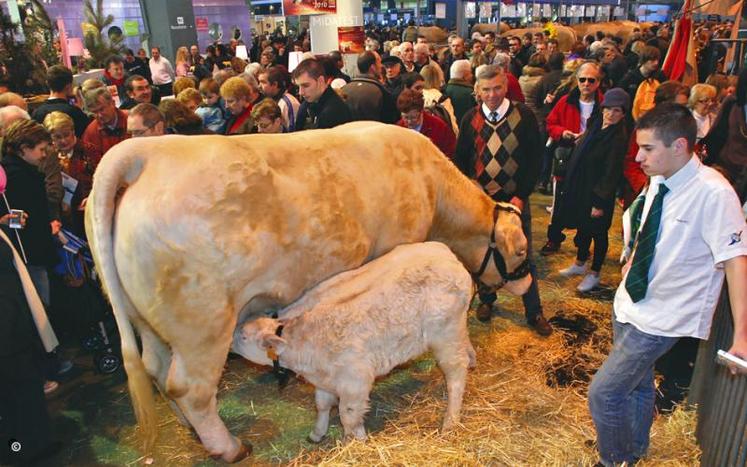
(504,263)
(256,340)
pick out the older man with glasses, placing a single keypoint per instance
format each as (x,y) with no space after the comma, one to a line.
(565,125)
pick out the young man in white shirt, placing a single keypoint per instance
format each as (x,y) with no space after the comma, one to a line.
(689,232)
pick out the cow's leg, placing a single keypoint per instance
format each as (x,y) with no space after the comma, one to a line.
(324,403)
(157,360)
(354,390)
(192,381)
(453,361)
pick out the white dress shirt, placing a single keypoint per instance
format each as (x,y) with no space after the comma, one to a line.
(500,111)
(701,227)
(161,71)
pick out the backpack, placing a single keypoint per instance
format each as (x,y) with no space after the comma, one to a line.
(440,111)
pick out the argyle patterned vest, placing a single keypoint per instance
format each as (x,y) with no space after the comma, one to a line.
(495,143)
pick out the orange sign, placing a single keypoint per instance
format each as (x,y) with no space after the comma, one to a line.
(308,7)
(352,39)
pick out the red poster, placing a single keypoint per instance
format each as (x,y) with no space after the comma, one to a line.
(201,24)
(308,7)
(352,39)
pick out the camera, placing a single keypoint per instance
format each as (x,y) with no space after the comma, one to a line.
(16,219)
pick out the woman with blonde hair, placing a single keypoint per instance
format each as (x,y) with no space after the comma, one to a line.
(701,103)
(433,78)
(78,170)
(182,62)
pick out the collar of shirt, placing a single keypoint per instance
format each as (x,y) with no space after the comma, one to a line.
(680,177)
(501,110)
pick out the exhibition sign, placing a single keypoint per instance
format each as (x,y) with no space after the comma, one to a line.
(309,7)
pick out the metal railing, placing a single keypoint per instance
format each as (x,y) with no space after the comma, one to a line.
(720,397)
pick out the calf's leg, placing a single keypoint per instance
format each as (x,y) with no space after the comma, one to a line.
(453,359)
(354,388)
(324,402)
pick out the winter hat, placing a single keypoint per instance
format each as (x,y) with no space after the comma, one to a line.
(616,97)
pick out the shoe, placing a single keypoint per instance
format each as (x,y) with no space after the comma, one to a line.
(589,283)
(484,312)
(65,366)
(541,326)
(50,387)
(550,248)
(573,270)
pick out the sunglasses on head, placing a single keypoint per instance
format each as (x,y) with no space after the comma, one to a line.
(590,80)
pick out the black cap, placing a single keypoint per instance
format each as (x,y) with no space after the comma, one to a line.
(391,60)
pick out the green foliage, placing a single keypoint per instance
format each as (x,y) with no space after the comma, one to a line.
(40,33)
(20,67)
(99,45)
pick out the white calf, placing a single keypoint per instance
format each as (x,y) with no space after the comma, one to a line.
(360,324)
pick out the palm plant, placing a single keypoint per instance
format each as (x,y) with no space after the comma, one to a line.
(99,46)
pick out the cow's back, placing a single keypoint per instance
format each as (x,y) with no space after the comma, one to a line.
(268,216)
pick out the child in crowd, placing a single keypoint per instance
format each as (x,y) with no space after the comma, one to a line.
(211,111)
(191,98)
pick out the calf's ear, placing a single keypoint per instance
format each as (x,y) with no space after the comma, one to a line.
(271,341)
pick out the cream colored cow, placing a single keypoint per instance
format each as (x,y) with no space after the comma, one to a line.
(191,234)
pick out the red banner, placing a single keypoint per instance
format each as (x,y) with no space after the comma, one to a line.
(308,7)
(201,24)
(352,39)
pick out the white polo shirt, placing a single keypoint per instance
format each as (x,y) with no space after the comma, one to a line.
(701,227)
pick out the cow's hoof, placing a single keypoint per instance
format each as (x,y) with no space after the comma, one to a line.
(244,452)
(245,449)
(314,438)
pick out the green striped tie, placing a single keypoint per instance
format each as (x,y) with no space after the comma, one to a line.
(637,281)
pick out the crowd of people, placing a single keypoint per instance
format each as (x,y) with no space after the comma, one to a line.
(515,114)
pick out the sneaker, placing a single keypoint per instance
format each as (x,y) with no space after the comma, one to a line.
(589,283)
(573,270)
(65,366)
(550,248)
(50,387)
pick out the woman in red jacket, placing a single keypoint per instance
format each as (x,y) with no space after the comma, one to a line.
(410,105)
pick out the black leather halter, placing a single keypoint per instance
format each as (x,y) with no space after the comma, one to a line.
(281,374)
(500,263)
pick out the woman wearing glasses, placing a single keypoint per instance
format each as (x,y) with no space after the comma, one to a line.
(701,104)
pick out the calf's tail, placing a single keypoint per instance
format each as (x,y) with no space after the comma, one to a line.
(117,170)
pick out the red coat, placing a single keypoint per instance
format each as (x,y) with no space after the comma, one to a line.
(632,171)
(96,140)
(566,115)
(438,132)
(514,90)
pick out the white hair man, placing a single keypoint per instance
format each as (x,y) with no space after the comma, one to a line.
(459,88)
(422,56)
(9,115)
(503,61)
(499,149)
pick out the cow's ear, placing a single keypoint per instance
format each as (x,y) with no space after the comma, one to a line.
(271,341)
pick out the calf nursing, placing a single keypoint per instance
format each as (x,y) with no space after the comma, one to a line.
(360,324)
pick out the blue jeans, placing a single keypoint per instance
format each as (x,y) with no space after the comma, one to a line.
(622,394)
(531,299)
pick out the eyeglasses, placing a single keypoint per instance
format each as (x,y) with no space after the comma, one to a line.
(590,80)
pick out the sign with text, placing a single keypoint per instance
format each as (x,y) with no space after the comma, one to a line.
(201,24)
(352,39)
(440,11)
(308,7)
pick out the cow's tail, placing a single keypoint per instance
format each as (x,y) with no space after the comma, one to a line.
(117,171)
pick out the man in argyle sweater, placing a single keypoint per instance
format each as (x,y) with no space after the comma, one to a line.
(499,147)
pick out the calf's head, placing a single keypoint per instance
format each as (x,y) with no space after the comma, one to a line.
(511,249)
(256,339)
